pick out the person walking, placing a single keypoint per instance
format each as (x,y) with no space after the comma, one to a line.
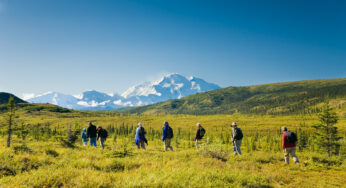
(199,134)
(289,140)
(167,135)
(102,134)
(140,139)
(84,137)
(237,137)
(91,134)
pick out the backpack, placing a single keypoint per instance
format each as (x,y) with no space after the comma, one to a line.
(238,134)
(291,137)
(84,135)
(169,132)
(141,132)
(202,132)
(104,133)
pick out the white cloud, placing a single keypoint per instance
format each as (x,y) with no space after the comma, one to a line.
(104,102)
(92,103)
(27,96)
(118,102)
(78,96)
(83,103)
(110,94)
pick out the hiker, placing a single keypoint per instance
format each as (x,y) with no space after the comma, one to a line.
(84,137)
(167,135)
(91,134)
(237,136)
(289,140)
(199,134)
(102,134)
(140,137)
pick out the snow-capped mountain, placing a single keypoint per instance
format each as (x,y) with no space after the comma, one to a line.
(67,101)
(171,86)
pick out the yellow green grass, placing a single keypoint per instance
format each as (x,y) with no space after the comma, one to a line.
(46,163)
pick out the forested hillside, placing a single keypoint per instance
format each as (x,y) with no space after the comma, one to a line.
(5,96)
(277,98)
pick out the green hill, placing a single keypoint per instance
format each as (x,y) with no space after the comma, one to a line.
(5,96)
(28,107)
(277,98)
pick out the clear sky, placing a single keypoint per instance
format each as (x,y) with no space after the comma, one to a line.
(71,46)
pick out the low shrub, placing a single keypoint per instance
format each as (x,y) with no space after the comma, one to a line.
(115,166)
(22,149)
(51,152)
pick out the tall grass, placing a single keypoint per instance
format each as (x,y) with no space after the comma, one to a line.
(38,159)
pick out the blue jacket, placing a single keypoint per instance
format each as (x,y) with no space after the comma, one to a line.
(164,132)
(84,136)
(139,138)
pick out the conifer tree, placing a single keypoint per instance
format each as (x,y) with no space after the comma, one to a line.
(10,119)
(326,135)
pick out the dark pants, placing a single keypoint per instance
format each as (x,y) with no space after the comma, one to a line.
(141,144)
(93,141)
(102,141)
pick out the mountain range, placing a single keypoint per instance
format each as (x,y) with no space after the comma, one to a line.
(299,97)
(171,86)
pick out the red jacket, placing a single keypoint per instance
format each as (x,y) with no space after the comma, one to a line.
(285,143)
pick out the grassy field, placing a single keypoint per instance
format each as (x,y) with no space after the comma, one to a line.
(46,164)
(42,161)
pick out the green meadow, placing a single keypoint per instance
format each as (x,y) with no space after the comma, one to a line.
(39,157)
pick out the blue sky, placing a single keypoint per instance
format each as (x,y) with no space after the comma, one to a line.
(71,46)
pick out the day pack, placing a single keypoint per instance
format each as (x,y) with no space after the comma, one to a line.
(291,137)
(202,132)
(104,133)
(84,136)
(142,131)
(238,134)
(169,132)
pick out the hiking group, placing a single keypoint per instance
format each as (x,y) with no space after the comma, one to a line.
(167,135)
(93,134)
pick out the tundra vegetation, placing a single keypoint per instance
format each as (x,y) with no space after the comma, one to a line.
(46,150)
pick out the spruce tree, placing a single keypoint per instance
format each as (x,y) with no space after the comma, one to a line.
(326,135)
(10,119)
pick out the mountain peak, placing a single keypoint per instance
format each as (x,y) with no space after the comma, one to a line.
(170,86)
